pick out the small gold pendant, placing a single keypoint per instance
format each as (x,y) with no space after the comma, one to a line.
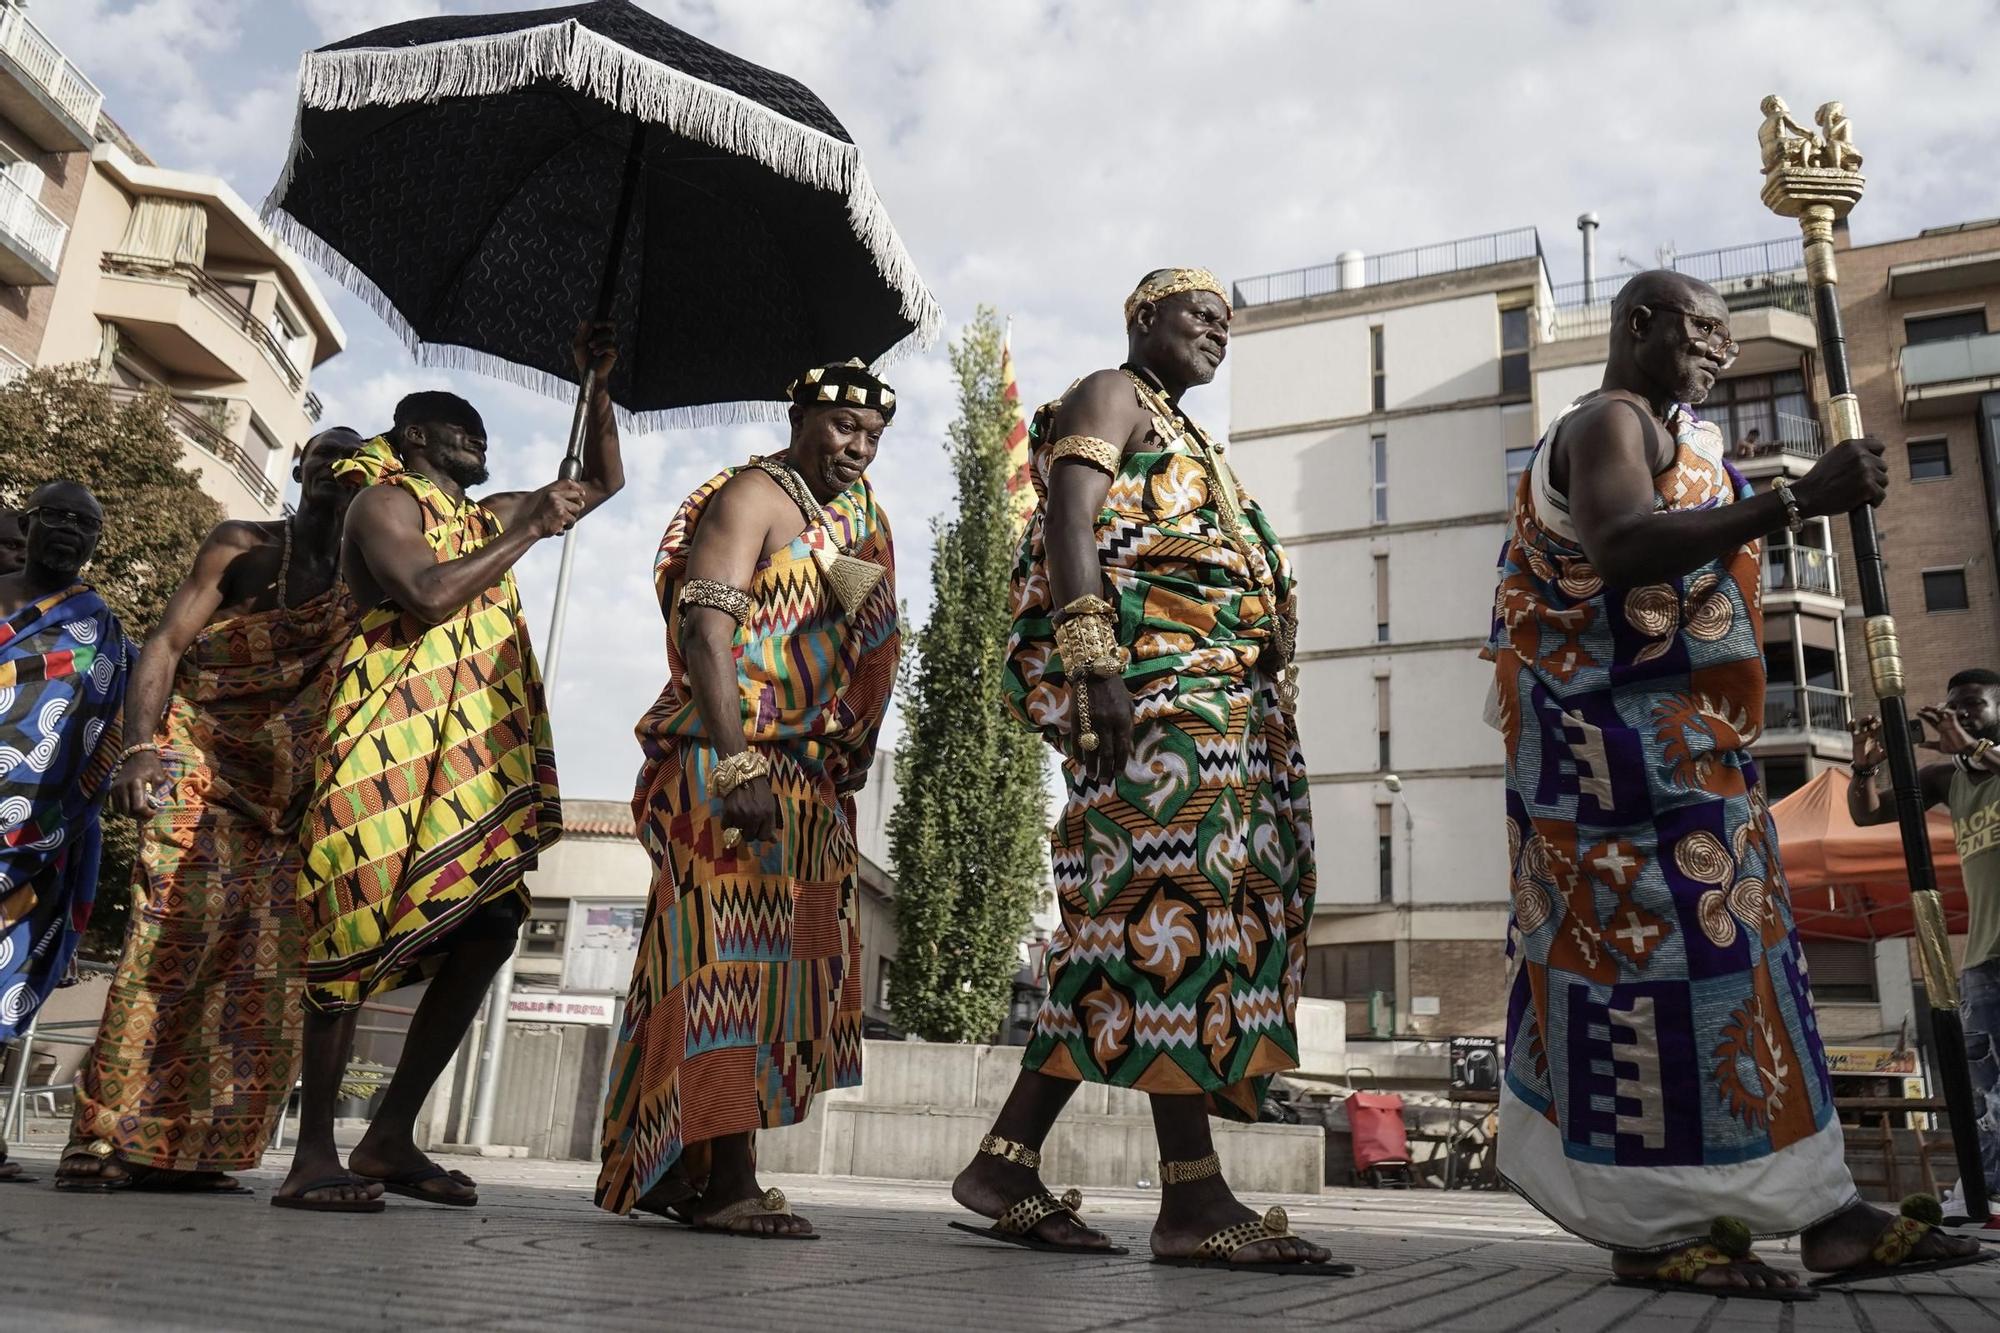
(849,578)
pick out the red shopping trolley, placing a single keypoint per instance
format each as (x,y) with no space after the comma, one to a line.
(1381,1145)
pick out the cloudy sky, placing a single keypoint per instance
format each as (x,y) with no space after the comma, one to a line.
(1039,155)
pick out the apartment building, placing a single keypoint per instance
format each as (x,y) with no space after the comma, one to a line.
(1383,409)
(161,279)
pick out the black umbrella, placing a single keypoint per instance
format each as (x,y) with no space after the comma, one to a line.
(486,181)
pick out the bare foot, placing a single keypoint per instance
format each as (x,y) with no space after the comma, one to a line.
(1847,1240)
(1192,1212)
(992,1185)
(1746,1273)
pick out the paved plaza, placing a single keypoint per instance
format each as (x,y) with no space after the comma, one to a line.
(536,1255)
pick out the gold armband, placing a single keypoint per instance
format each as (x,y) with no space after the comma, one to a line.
(739,768)
(732,602)
(1088,642)
(1100,454)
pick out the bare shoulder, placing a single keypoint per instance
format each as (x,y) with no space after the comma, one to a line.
(1101,403)
(381,508)
(236,535)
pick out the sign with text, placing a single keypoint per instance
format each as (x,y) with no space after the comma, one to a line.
(1871,1060)
(527,1006)
(1475,1064)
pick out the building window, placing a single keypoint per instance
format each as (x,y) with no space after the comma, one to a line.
(1517,463)
(1943,328)
(1944,590)
(1382,724)
(1842,971)
(1385,855)
(548,926)
(1760,414)
(881,983)
(1781,777)
(1381,599)
(1350,971)
(1929,460)
(1514,350)
(1378,461)
(1377,376)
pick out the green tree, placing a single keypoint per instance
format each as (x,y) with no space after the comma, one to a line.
(57,423)
(970,828)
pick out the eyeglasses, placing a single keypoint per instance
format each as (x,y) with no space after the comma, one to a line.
(65,518)
(1712,333)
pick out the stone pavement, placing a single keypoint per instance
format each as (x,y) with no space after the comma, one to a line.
(536,1255)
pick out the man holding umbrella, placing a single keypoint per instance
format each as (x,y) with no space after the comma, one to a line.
(435,788)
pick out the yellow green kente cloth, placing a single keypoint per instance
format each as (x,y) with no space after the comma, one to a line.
(435,784)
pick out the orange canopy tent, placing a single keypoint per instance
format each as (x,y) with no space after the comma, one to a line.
(1849,882)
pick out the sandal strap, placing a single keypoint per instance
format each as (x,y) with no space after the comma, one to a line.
(1024,1215)
(1273,1225)
(1689,1264)
(1007,1150)
(1898,1240)
(1183,1173)
(769,1202)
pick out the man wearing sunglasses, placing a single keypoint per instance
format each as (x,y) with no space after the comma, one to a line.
(1666,1094)
(62,680)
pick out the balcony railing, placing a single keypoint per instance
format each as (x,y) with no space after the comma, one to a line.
(34,52)
(1805,708)
(313,406)
(1763,275)
(1794,437)
(191,426)
(217,297)
(1801,569)
(12,367)
(31,227)
(1423,261)
(1952,359)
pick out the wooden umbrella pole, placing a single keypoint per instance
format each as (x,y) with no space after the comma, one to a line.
(607,289)
(1815,179)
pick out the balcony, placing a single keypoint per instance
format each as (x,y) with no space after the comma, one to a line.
(1948,377)
(313,406)
(1357,271)
(11,367)
(1798,445)
(1809,712)
(1936,277)
(1763,284)
(186,321)
(31,237)
(201,435)
(1790,570)
(41,91)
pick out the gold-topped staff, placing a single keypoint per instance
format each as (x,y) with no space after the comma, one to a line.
(1816,179)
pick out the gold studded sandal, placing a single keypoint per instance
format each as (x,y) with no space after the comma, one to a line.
(1920,1216)
(1025,1214)
(1220,1249)
(733,1219)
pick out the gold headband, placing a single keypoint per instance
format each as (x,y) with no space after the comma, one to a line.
(1172,280)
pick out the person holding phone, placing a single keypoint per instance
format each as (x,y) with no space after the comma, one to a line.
(1965,729)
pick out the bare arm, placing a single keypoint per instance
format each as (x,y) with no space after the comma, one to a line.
(385,530)
(728,542)
(1866,803)
(188,612)
(603,463)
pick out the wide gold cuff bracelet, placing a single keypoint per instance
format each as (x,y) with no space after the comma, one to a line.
(1103,455)
(739,768)
(732,602)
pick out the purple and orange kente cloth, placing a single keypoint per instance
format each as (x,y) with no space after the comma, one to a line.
(63,662)
(1664,1067)
(199,1045)
(746,997)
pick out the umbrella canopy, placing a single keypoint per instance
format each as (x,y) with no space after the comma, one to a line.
(1850,882)
(463,175)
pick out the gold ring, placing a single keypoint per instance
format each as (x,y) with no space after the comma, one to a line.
(732,837)
(1088,740)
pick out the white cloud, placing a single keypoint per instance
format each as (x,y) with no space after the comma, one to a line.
(1041,156)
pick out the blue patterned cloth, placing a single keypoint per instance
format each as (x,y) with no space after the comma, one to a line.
(62,683)
(1664,1067)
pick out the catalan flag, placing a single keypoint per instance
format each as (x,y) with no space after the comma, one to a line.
(1020,485)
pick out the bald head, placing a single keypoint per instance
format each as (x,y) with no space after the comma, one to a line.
(64,524)
(1669,334)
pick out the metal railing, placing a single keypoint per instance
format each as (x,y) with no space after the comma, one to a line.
(190,425)
(1794,437)
(1952,359)
(12,367)
(313,406)
(44,61)
(213,294)
(1801,569)
(1423,261)
(32,227)
(1762,275)
(1805,708)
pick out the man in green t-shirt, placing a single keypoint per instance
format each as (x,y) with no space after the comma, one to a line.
(1967,731)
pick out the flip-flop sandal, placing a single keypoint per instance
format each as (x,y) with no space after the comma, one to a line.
(303,1204)
(1215,1252)
(723,1221)
(1680,1272)
(1891,1256)
(410,1185)
(14,1177)
(1024,1215)
(96,1150)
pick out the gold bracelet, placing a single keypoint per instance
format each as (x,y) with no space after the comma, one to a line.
(1088,642)
(739,768)
(1184,1173)
(144,747)
(1086,736)
(1087,605)
(732,602)
(1103,455)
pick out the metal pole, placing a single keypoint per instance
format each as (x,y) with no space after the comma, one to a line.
(1814,182)
(24,1054)
(490,1052)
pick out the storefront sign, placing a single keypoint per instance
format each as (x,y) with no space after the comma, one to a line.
(1871,1060)
(1475,1064)
(555,1007)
